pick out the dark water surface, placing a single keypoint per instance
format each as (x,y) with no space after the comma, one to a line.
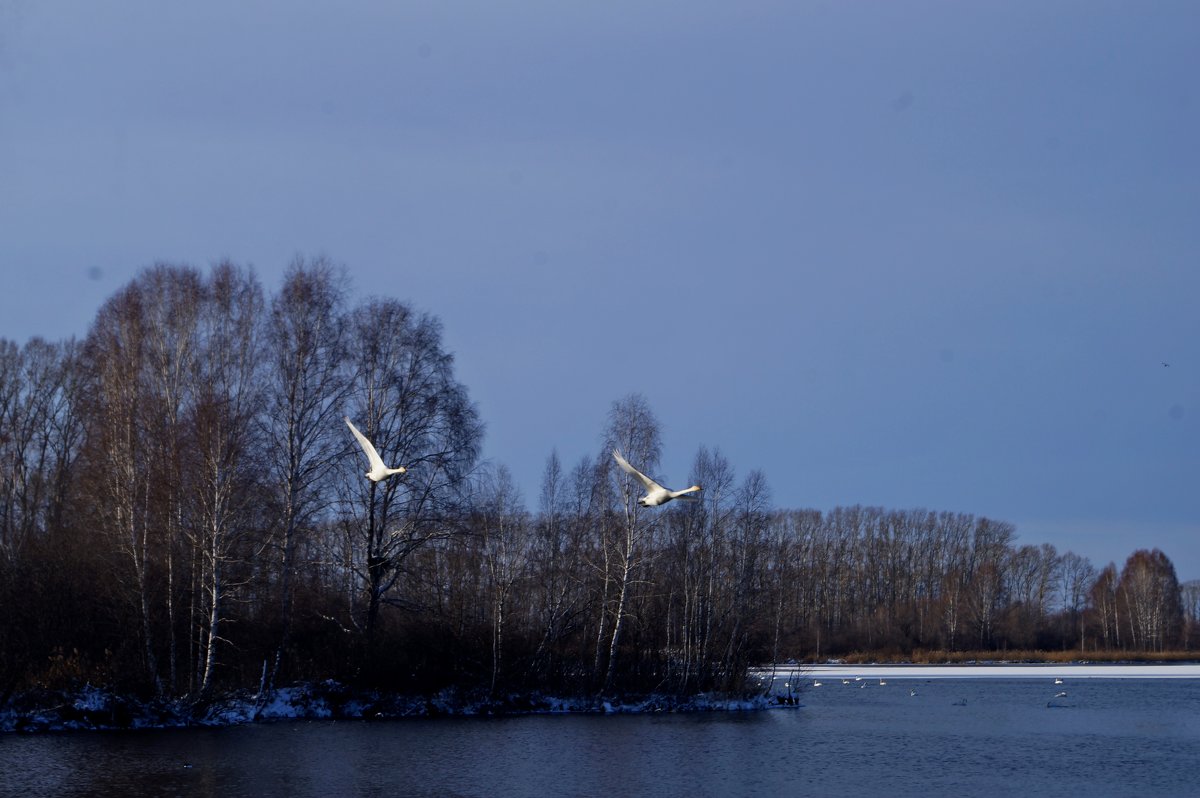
(955,737)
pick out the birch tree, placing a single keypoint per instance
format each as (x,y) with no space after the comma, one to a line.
(406,400)
(172,297)
(1149,591)
(306,367)
(117,454)
(632,429)
(227,447)
(506,544)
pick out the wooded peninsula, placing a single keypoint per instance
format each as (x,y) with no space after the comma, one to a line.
(183,513)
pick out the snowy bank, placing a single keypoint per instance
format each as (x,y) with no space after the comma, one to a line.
(92,708)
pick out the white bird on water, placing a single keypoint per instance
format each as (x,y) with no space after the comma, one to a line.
(655,494)
(1057,680)
(378,470)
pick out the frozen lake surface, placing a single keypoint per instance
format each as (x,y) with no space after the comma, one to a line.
(993,671)
(921,733)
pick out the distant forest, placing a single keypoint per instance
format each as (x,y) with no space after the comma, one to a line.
(184,512)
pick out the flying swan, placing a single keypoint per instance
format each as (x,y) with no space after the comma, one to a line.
(655,494)
(378,470)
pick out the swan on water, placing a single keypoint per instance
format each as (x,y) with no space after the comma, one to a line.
(378,470)
(655,494)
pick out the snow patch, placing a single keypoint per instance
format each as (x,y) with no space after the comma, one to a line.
(95,708)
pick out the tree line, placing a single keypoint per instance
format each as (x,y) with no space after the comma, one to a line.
(182,511)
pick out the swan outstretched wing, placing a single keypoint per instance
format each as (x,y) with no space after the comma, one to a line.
(372,455)
(628,469)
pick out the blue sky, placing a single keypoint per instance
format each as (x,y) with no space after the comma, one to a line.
(900,254)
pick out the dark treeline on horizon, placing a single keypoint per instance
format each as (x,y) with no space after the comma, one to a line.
(183,511)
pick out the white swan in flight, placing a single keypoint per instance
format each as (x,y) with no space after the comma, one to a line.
(655,494)
(378,470)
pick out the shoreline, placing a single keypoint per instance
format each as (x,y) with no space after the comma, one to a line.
(91,708)
(96,709)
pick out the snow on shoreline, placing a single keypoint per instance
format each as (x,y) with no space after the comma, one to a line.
(988,670)
(93,708)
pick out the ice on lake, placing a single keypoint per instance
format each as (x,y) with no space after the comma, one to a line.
(840,671)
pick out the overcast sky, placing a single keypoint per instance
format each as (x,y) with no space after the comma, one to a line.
(903,254)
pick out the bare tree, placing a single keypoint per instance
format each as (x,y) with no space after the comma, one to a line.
(956,567)
(986,588)
(1102,597)
(1149,591)
(118,456)
(172,297)
(703,546)
(746,570)
(306,363)
(1077,575)
(407,401)
(1031,570)
(506,543)
(1190,598)
(633,429)
(225,421)
(40,434)
(558,555)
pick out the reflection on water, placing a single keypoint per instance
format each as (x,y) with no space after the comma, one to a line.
(962,737)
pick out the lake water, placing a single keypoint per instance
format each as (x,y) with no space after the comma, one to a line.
(955,736)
